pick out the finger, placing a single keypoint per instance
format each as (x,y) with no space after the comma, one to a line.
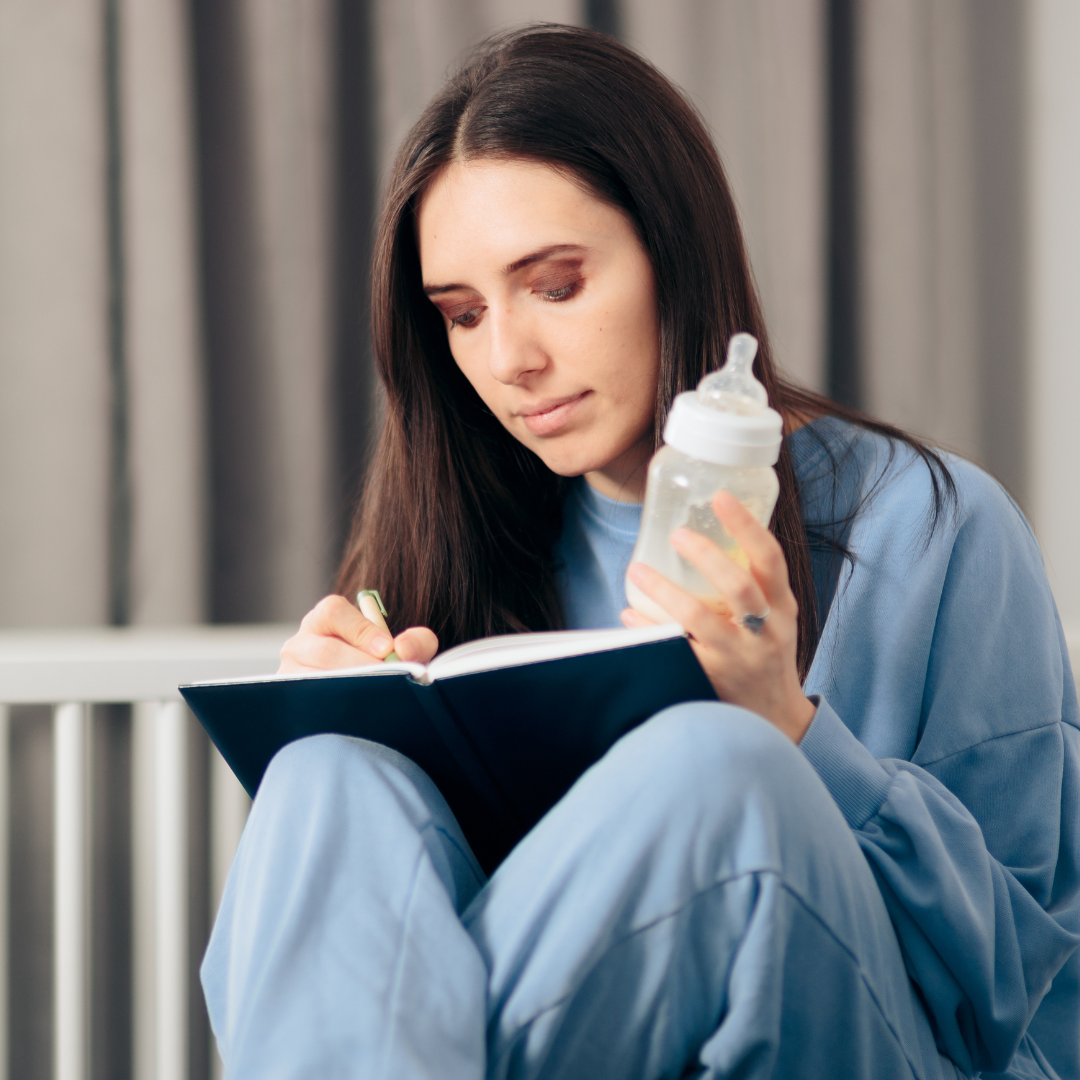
(688,611)
(334,616)
(314,652)
(735,585)
(417,644)
(633,619)
(762,549)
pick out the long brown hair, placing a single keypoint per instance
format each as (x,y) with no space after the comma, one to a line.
(457,520)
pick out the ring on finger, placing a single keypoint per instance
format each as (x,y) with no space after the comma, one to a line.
(754,623)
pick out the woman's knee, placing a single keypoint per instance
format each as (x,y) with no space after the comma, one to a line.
(712,746)
(362,797)
(710,769)
(697,793)
(338,775)
(311,764)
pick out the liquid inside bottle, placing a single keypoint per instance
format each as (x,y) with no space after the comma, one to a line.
(721,437)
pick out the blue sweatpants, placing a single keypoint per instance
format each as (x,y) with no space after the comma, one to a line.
(695,905)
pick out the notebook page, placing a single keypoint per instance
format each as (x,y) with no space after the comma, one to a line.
(512,650)
(417,671)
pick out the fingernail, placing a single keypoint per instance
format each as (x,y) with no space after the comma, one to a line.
(382,645)
(680,537)
(637,571)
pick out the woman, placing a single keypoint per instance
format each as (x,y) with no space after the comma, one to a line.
(863,864)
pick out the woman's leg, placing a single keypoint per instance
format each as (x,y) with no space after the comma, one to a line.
(696,905)
(338,950)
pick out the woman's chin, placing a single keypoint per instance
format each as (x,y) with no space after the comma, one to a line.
(572,465)
(577,453)
(626,466)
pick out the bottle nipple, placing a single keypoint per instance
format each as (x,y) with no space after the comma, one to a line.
(733,389)
(727,419)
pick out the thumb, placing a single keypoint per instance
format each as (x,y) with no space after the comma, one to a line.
(418,644)
(368,637)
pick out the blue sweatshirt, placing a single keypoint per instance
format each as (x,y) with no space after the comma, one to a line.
(947,730)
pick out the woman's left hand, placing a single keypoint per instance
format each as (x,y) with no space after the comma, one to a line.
(757,671)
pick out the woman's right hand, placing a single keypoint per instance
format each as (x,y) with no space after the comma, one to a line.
(334,634)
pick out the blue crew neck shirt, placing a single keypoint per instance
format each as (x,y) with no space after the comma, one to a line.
(593,552)
(947,728)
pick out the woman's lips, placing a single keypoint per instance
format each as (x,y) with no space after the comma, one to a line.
(548,417)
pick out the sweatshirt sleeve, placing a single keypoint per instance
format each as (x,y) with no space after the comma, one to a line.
(974,842)
(980,947)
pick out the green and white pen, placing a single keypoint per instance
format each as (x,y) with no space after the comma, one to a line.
(374,610)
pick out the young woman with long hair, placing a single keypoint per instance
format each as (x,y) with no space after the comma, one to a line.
(863,861)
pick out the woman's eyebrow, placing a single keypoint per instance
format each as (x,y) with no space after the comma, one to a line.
(538,256)
(512,268)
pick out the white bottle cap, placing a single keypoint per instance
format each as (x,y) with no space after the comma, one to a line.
(726,421)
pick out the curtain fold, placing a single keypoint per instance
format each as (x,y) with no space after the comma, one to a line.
(942,206)
(163,346)
(54,338)
(266,123)
(756,71)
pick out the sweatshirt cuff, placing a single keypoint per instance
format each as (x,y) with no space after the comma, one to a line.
(855,779)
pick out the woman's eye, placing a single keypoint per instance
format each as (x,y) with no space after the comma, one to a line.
(466,318)
(564,292)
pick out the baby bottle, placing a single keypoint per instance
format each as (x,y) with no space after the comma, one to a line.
(722,436)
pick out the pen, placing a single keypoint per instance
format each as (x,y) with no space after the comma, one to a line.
(374,610)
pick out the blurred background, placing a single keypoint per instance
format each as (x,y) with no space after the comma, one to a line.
(187,192)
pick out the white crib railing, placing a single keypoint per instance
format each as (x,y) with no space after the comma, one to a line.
(71,671)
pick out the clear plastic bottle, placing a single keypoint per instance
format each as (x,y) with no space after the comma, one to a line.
(723,436)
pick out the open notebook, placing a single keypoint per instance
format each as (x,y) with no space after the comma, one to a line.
(503,726)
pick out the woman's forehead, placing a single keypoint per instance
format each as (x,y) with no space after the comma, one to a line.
(494,212)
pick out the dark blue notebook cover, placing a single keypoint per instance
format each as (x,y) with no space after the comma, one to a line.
(503,746)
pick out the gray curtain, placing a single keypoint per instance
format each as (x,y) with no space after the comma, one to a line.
(186,203)
(942,203)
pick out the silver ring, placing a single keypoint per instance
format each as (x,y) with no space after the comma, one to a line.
(754,623)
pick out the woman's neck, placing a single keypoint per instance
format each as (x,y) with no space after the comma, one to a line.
(632,491)
(623,478)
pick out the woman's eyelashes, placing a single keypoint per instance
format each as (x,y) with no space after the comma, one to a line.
(554,289)
(563,292)
(558,286)
(464,313)
(465,318)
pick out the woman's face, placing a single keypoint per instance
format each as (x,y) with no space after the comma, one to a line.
(549,302)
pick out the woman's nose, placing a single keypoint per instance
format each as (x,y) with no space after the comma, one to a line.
(515,349)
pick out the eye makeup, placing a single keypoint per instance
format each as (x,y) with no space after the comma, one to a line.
(459,314)
(558,281)
(555,281)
